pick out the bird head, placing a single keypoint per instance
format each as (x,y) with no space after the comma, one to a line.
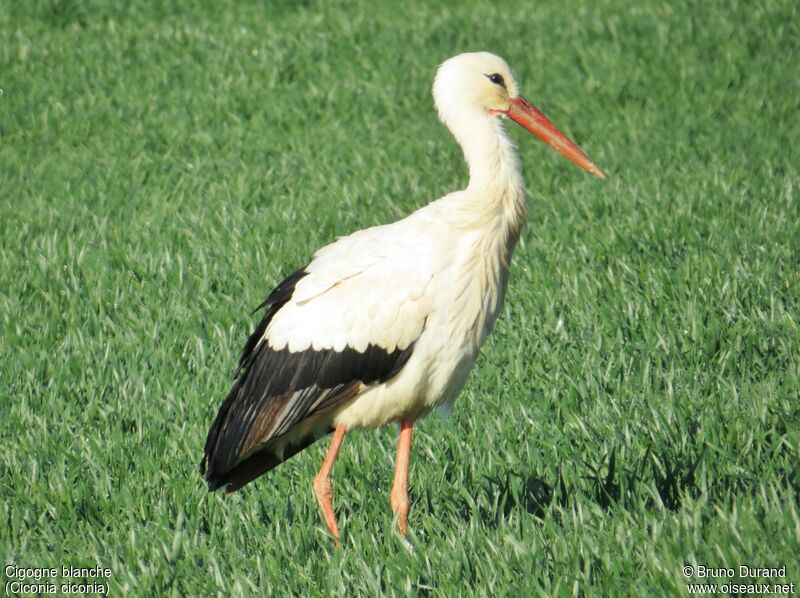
(481,85)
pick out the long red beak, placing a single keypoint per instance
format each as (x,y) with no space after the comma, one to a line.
(527,115)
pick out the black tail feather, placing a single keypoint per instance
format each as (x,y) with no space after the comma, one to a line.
(255,465)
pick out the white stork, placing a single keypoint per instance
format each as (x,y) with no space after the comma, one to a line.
(385,324)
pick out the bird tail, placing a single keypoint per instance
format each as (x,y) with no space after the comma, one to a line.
(253,466)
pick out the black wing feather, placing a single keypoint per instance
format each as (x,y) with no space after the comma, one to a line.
(307,382)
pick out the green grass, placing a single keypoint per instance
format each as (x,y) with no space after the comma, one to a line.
(637,408)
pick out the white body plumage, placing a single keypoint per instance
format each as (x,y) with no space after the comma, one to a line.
(436,278)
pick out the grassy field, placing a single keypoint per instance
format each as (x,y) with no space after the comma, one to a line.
(637,409)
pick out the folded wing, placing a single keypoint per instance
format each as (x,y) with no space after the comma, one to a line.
(346,321)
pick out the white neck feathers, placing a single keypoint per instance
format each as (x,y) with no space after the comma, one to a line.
(495,179)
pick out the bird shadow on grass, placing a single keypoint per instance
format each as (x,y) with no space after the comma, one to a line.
(671,474)
(497,496)
(516,490)
(494,498)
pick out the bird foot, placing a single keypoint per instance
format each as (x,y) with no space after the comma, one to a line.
(402,529)
(323,490)
(399,502)
(407,545)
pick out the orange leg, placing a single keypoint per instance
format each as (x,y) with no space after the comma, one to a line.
(323,489)
(399,496)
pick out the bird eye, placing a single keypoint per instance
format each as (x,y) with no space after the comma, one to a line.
(497,79)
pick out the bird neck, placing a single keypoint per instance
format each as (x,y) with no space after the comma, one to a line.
(495,188)
(491,211)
